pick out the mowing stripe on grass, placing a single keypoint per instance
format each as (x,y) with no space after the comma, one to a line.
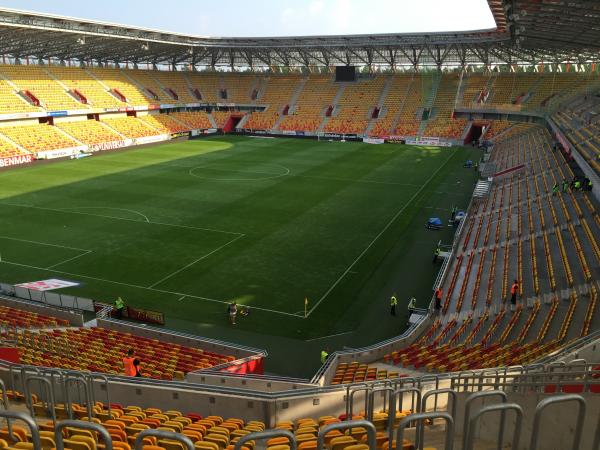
(66,211)
(195,261)
(162,291)
(376,238)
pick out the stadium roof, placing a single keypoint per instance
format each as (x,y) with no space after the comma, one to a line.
(527,31)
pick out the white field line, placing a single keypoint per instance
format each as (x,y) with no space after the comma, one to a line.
(64,211)
(45,243)
(376,238)
(70,259)
(330,336)
(133,211)
(162,291)
(195,261)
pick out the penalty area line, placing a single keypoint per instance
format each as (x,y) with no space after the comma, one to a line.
(145,288)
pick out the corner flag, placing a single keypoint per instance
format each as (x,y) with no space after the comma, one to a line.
(305,306)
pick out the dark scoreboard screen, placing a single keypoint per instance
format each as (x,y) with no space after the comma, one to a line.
(345,73)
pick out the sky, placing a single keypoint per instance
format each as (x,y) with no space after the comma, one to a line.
(243,18)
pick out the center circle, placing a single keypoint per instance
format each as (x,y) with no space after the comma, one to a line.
(216,172)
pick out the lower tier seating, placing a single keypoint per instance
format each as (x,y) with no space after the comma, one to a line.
(38,138)
(102,350)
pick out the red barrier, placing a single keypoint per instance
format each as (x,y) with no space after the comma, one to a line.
(10,354)
(509,170)
(254,366)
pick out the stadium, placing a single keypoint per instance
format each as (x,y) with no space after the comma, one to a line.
(341,242)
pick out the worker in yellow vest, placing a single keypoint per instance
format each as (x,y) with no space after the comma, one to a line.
(393,303)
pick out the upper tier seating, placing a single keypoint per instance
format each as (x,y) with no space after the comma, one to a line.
(47,90)
(102,350)
(443,124)
(132,127)
(147,83)
(393,104)
(11,102)
(352,113)
(408,120)
(117,79)
(38,138)
(178,83)
(208,84)
(89,132)
(78,79)
(317,95)
(278,92)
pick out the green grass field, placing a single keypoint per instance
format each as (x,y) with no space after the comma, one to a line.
(185,227)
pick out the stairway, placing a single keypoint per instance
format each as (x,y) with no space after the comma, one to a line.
(435,84)
(398,114)
(384,92)
(334,102)
(460,92)
(291,104)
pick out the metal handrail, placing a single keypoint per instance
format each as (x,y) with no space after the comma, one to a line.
(422,417)
(35,431)
(81,424)
(502,407)
(533,444)
(267,434)
(368,426)
(467,416)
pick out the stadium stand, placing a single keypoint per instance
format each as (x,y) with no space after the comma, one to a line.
(309,111)
(525,227)
(84,87)
(409,119)
(277,95)
(26,319)
(38,138)
(121,85)
(11,102)
(195,120)
(352,112)
(102,350)
(147,83)
(165,123)
(37,85)
(8,149)
(443,123)
(208,84)
(400,87)
(132,127)
(89,132)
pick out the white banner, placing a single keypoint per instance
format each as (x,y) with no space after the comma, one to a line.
(111,145)
(47,285)
(373,141)
(150,139)
(15,160)
(61,152)
(435,142)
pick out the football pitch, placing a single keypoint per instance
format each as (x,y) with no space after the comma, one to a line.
(185,227)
